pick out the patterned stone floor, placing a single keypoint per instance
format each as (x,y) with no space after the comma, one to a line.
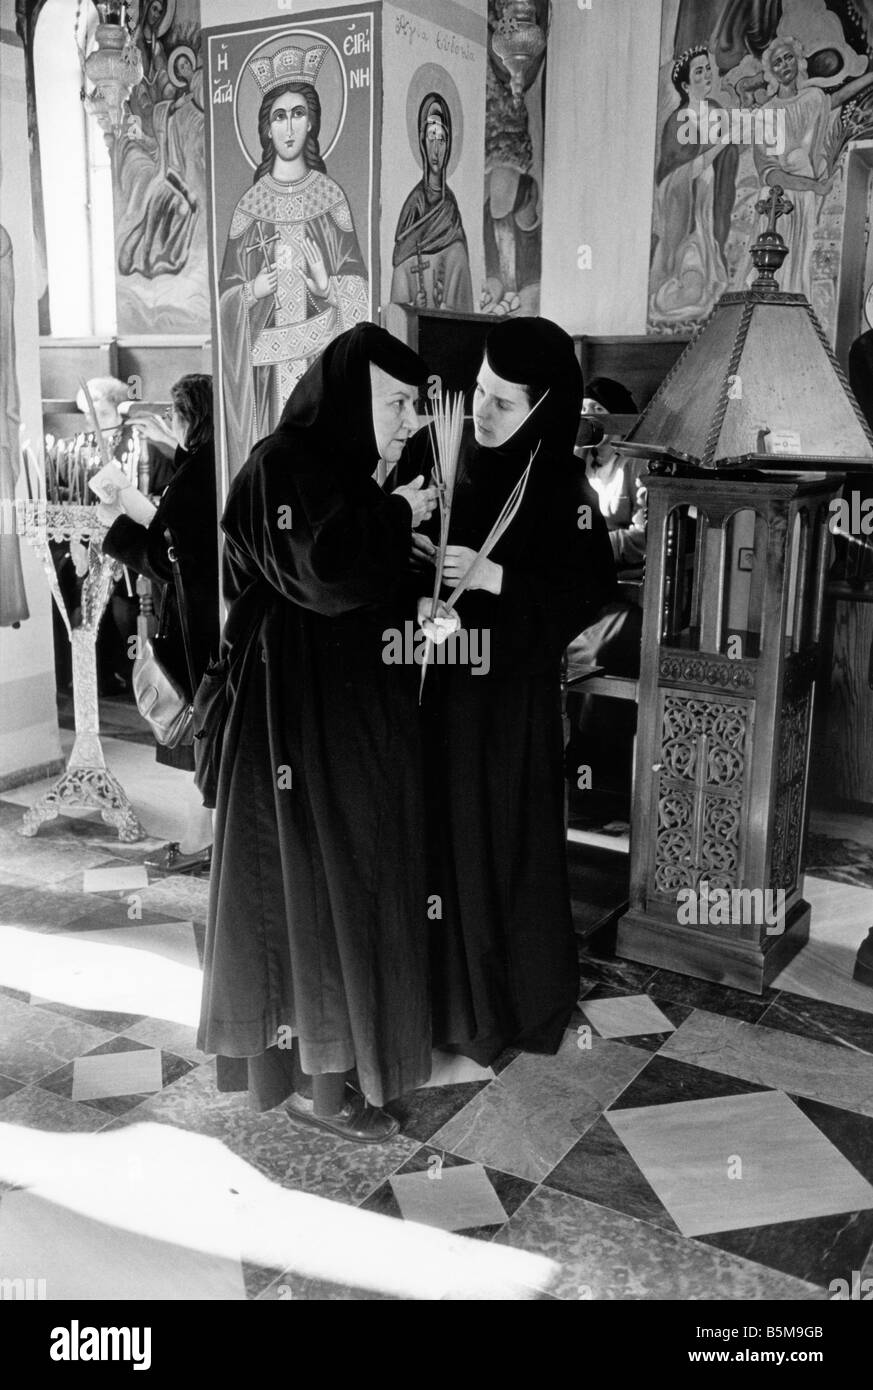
(687,1141)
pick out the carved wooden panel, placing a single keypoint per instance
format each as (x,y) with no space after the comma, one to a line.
(849,724)
(704,762)
(789,799)
(707,670)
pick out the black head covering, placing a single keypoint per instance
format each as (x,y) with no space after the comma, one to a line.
(536,353)
(332,401)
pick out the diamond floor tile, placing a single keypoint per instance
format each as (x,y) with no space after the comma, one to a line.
(534,1111)
(731,1162)
(625,1015)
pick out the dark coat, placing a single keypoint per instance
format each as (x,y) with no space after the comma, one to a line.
(317,913)
(188,509)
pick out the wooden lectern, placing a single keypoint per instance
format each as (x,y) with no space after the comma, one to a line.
(737,557)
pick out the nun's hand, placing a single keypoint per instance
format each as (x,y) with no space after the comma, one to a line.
(440,624)
(422,500)
(459,558)
(423,552)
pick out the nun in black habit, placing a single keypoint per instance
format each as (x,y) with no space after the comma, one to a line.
(504,959)
(317,926)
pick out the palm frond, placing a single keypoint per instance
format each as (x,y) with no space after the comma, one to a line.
(507,515)
(446,426)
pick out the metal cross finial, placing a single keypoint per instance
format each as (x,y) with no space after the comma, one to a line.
(768,251)
(773,206)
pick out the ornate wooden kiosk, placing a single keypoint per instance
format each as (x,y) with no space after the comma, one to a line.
(738,551)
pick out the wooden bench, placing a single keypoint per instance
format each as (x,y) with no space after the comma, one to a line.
(601,683)
(597,681)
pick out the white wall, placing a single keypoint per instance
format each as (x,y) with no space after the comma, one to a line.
(601,116)
(28,718)
(213,12)
(76,180)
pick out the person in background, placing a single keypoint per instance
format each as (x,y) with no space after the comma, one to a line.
(613,640)
(601,733)
(121,424)
(187,509)
(854,555)
(111,398)
(861,566)
(861,363)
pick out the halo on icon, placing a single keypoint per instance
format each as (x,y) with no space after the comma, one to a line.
(430,77)
(183,51)
(330,85)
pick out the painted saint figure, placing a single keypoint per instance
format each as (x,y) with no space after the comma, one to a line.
(293,276)
(159,173)
(158,164)
(802,168)
(514,134)
(431,264)
(694,197)
(156,18)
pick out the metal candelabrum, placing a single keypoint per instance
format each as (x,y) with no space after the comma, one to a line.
(86,780)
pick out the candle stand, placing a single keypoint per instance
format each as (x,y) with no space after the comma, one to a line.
(86,780)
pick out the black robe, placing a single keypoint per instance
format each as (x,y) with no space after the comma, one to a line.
(317,912)
(503,957)
(187,509)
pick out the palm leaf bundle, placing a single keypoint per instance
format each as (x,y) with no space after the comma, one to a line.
(508,513)
(446,426)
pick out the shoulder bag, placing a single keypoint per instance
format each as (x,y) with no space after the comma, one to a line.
(164,706)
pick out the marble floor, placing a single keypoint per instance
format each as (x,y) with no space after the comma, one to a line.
(687,1141)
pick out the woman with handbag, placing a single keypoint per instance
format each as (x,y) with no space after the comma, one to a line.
(184,529)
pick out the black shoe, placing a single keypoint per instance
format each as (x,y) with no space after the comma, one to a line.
(171,860)
(863,971)
(358,1121)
